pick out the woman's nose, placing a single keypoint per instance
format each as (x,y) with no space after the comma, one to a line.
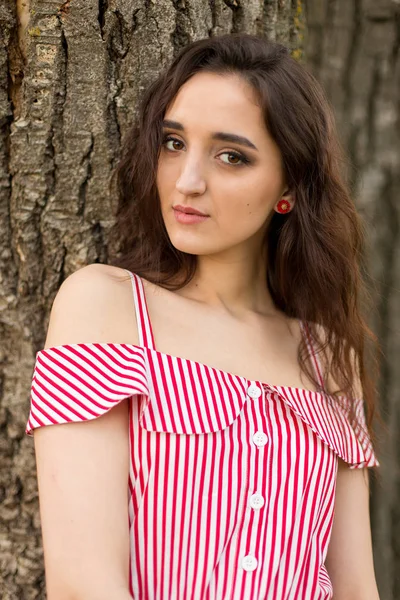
(191,179)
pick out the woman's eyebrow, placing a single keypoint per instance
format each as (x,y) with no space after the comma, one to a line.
(217,135)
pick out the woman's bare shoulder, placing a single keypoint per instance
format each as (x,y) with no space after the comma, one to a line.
(109,273)
(93,304)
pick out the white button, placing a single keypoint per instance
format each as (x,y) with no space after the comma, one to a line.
(256,501)
(253,391)
(249,563)
(260,438)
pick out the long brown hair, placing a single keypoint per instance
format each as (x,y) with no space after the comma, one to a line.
(315,252)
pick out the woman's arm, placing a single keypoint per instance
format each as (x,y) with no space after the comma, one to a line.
(83,467)
(350,561)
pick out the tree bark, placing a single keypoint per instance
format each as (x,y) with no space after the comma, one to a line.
(353,47)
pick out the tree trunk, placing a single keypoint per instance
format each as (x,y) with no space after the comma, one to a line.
(353,47)
(70,77)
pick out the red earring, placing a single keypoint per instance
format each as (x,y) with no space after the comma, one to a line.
(283,206)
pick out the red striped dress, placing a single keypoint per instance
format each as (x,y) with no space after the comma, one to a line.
(232,481)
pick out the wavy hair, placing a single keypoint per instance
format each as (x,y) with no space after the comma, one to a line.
(315,252)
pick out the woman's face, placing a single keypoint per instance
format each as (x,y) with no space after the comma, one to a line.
(235,183)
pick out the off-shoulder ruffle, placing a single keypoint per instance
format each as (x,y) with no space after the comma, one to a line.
(78,382)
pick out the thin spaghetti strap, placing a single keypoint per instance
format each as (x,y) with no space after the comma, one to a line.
(314,356)
(145,330)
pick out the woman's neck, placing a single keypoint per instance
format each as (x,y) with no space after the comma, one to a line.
(237,287)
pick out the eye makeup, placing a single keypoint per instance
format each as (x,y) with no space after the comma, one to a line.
(244,160)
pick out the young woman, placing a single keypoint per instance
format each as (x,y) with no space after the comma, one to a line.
(207,390)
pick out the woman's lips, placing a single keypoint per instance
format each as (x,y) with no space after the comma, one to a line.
(188,218)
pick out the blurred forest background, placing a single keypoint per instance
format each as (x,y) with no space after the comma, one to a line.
(70,76)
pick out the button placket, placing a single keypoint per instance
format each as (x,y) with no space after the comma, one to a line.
(256,500)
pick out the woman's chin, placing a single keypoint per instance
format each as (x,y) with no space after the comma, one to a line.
(191,246)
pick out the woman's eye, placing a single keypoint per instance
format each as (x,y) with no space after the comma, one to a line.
(243,160)
(236,155)
(170,139)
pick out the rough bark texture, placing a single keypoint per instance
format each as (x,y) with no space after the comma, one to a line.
(353,47)
(70,76)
